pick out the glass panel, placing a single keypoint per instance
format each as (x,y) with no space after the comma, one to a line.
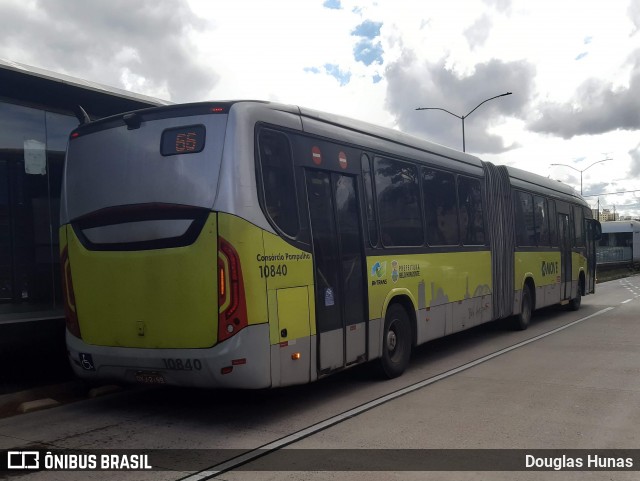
(58,129)
(471,217)
(350,248)
(553,224)
(6,278)
(368,191)
(22,150)
(542,220)
(440,207)
(525,227)
(398,203)
(278,180)
(32,149)
(578,217)
(325,251)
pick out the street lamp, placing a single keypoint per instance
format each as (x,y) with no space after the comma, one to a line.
(463,116)
(581,171)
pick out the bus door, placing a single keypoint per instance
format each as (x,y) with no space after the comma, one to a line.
(339,269)
(565,240)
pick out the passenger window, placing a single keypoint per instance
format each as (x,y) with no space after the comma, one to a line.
(368,192)
(276,163)
(553,223)
(441,207)
(470,210)
(578,217)
(398,203)
(525,226)
(541,218)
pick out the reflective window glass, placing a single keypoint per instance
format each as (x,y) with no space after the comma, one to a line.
(398,202)
(440,207)
(276,163)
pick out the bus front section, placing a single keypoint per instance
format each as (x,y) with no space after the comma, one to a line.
(154,279)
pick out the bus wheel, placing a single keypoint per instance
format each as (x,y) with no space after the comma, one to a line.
(574,304)
(396,342)
(522,320)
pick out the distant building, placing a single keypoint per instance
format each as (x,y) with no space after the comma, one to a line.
(38,110)
(607,216)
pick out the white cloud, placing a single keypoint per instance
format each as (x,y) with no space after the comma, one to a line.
(571,65)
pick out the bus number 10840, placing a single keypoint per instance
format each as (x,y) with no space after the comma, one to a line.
(182,364)
(273,270)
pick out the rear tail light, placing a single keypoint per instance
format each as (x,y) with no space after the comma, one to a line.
(231,296)
(70,311)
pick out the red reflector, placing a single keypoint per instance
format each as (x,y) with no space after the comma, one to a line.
(284,344)
(237,362)
(217,109)
(226,370)
(70,311)
(74,135)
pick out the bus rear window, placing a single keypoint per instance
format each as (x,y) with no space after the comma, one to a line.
(182,140)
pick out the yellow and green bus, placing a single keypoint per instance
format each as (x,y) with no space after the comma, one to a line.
(253,244)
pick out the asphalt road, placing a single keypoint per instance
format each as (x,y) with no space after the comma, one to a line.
(578,388)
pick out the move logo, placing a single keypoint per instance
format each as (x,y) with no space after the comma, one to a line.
(550,268)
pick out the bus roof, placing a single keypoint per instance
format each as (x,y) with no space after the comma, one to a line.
(341,122)
(391,135)
(545,182)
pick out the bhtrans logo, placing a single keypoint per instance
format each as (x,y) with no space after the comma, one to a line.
(379,273)
(23,460)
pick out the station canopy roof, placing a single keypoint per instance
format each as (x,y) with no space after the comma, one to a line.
(39,87)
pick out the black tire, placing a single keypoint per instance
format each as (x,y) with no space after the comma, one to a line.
(522,320)
(396,342)
(574,304)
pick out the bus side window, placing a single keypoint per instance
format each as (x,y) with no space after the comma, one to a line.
(368,192)
(525,226)
(553,223)
(471,217)
(578,217)
(541,216)
(398,203)
(441,207)
(276,163)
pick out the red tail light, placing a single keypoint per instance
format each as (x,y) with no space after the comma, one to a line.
(70,312)
(231,297)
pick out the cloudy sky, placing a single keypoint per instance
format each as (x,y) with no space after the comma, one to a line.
(573,68)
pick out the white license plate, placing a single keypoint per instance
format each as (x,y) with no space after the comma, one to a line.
(150,377)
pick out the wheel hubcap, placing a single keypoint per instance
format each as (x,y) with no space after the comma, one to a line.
(391,340)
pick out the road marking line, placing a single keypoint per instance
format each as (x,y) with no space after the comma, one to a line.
(332,421)
(628,300)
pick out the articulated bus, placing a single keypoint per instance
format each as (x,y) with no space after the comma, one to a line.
(252,244)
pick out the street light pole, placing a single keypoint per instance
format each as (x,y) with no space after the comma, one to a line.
(462,117)
(581,171)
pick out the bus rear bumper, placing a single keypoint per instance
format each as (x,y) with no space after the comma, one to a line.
(242,361)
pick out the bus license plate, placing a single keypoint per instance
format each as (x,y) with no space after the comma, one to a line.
(150,377)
